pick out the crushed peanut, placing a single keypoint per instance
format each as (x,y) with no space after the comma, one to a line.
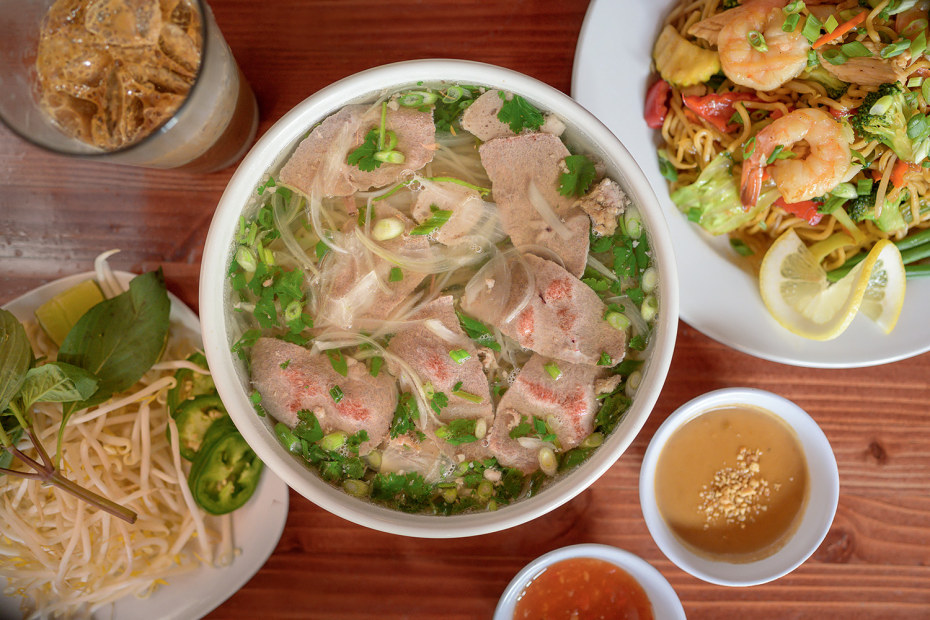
(737,494)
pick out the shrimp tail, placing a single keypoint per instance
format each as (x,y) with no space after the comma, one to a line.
(751,184)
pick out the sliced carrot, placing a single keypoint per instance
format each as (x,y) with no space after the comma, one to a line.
(897,173)
(840,30)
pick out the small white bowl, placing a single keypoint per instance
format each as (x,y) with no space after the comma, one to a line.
(823,491)
(665,603)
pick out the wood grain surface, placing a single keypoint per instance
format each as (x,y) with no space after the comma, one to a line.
(57,214)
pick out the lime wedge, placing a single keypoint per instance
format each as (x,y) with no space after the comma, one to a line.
(59,314)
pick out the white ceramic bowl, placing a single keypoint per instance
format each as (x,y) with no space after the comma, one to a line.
(665,603)
(231,376)
(823,491)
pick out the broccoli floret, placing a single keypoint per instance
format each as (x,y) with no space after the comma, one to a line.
(891,218)
(732,4)
(895,107)
(835,87)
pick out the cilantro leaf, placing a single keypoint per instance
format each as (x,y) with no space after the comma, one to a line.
(405,416)
(459,431)
(519,113)
(364,155)
(578,179)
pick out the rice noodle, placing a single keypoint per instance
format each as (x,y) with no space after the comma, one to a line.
(66,558)
(282,223)
(546,211)
(601,268)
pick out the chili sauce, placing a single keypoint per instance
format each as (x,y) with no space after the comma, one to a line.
(584,589)
(732,483)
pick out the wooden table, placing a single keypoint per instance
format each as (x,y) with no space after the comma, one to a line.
(56,214)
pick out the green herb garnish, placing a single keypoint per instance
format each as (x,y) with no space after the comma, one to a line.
(578,179)
(519,114)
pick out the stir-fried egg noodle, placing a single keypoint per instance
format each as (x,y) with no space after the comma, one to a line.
(67,558)
(691,143)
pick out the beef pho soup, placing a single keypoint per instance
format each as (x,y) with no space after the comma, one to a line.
(442,304)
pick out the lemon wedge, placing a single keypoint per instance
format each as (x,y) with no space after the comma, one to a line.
(59,314)
(797,293)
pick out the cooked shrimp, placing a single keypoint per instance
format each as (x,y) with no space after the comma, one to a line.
(784,55)
(825,165)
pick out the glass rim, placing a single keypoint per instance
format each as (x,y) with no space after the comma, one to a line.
(159,130)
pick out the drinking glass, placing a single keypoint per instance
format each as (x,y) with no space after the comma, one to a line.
(212,128)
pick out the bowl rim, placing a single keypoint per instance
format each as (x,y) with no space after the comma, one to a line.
(818,512)
(664,599)
(262,157)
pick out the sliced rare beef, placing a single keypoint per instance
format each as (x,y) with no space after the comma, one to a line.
(426,347)
(563,319)
(468,210)
(525,169)
(357,284)
(319,163)
(480,119)
(567,404)
(291,378)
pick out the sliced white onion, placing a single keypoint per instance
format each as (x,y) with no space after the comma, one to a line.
(282,224)
(545,210)
(542,252)
(528,293)
(601,268)
(314,204)
(436,326)
(105,278)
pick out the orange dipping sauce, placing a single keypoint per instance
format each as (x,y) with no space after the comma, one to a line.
(583,589)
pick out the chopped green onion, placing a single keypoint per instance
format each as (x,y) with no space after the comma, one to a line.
(845,190)
(321,250)
(336,393)
(553,369)
(333,441)
(618,320)
(795,6)
(834,57)
(460,356)
(649,279)
(355,488)
(779,152)
(915,82)
(437,219)
(287,437)
(547,461)
(467,396)
(650,308)
(881,106)
(896,48)
(757,41)
(919,44)
(387,228)
(831,24)
(593,440)
(864,187)
(749,147)
(633,223)
(791,22)
(390,157)
(376,363)
(416,98)
(811,30)
(918,127)
(925,91)
(246,258)
(395,275)
(666,168)
(855,49)
(739,246)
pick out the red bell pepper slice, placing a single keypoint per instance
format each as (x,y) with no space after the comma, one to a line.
(717,109)
(657,103)
(806,210)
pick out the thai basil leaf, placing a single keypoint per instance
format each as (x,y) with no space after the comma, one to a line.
(119,339)
(57,382)
(15,357)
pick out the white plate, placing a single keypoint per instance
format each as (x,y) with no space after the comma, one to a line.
(257,526)
(611,73)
